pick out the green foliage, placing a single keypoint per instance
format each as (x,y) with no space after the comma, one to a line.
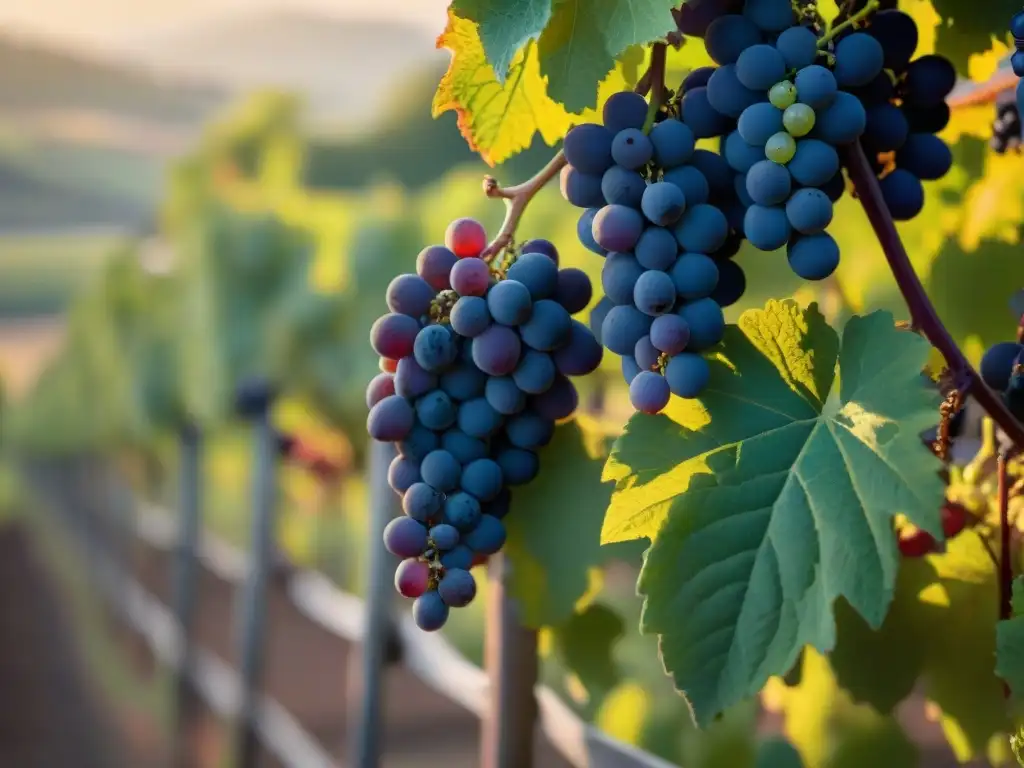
(971,27)
(938,635)
(1010,644)
(582,40)
(585,643)
(550,577)
(505,27)
(761,494)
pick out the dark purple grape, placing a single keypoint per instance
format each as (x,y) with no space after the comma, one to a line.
(421,502)
(545,247)
(429,612)
(405,537)
(402,474)
(496,351)
(518,467)
(471,277)
(557,402)
(434,348)
(411,381)
(390,420)
(617,228)
(547,329)
(573,290)
(623,110)
(434,264)
(649,392)
(663,203)
(393,335)
(535,372)
(488,537)
(470,316)
(510,303)
(646,354)
(588,147)
(537,272)
(669,334)
(482,478)
(462,511)
(581,355)
(457,588)
(444,537)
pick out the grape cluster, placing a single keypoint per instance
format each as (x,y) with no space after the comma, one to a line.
(782,101)
(1002,369)
(1017,32)
(475,359)
(1006,128)
(906,107)
(789,141)
(650,212)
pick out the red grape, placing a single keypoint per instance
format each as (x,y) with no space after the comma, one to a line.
(954,519)
(465,238)
(917,544)
(412,577)
(380,386)
(387,365)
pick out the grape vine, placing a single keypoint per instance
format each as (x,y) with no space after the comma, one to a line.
(752,152)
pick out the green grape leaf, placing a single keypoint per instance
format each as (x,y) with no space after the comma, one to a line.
(1010,645)
(500,118)
(584,37)
(585,643)
(959,677)
(831,731)
(497,119)
(505,26)
(969,27)
(773,493)
(776,752)
(881,667)
(563,504)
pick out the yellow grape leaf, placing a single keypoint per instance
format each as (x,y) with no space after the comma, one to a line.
(500,119)
(981,66)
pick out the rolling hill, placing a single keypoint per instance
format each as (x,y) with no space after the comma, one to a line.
(343,68)
(36,77)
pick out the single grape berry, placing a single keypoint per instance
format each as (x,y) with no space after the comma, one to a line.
(798,119)
(780,148)
(649,392)
(954,519)
(465,238)
(412,577)
(782,94)
(429,612)
(916,544)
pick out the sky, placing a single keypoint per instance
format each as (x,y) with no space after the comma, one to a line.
(95,23)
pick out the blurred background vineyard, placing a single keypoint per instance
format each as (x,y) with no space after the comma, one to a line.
(202,201)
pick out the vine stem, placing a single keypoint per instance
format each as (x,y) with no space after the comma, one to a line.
(923,316)
(1005,564)
(518,197)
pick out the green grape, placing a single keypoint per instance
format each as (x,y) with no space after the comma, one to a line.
(798,119)
(782,94)
(780,148)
